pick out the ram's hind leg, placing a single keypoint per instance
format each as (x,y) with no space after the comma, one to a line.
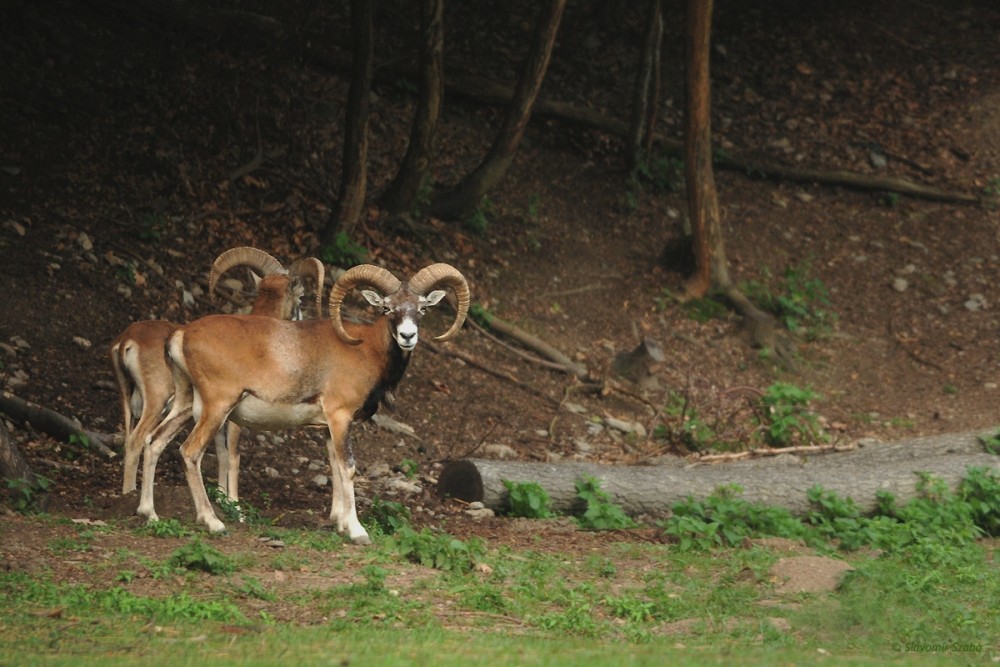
(343,511)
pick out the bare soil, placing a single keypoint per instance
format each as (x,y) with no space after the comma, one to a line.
(117,137)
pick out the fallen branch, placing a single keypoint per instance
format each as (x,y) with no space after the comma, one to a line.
(536,344)
(48,421)
(858,474)
(476,363)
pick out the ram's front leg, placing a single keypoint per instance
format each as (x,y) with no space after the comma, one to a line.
(343,511)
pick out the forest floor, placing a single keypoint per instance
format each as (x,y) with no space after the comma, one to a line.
(117,138)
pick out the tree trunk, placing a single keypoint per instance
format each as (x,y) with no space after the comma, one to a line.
(780,481)
(12,463)
(468,194)
(401,195)
(647,85)
(354,174)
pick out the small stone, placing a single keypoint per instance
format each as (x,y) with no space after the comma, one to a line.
(84,241)
(400,485)
(484,513)
(320,480)
(975,302)
(82,342)
(900,284)
(271,472)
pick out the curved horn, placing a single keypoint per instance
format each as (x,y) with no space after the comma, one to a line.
(310,266)
(245,255)
(365,274)
(444,275)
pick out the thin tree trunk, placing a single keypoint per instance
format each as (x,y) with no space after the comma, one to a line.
(646,92)
(354,173)
(401,195)
(468,194)
(703,203)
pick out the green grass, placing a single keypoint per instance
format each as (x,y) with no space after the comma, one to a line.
(924,582)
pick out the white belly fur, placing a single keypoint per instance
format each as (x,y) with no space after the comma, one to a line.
(259,415)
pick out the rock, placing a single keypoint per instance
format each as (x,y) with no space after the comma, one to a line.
(271,472)
(401,485)
(498,451)
(975,302)
(82,342)
(320,480)
(481,513)
(84,241)
(900,284)
(626,426)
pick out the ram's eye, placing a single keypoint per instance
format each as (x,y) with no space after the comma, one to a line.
(422,310)
(386,310)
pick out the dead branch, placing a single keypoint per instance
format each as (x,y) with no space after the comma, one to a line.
(534,343)
(477,364)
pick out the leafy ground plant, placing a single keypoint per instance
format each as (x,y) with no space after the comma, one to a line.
(528,499)
(196,555)
(601,513)
(787,416)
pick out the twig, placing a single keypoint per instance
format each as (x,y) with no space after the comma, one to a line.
(768,451)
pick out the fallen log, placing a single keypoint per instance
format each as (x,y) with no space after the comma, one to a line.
(781,481)
(48,421)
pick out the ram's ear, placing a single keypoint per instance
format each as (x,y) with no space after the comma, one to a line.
(256,278)
(373,297)
(434,298)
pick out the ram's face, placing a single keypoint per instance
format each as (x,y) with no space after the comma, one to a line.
(404,310)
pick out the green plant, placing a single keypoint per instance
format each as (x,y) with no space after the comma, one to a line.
(126,273)
(343,252)
(29,496)
(251,587)
(409,468)
(165,528)
(889,199)
(437,550)
(151,227)
(705,309)
(481,315)
(196,555)
(725,519)
(992,187)
(479,220)
(241,511)
(663,173)
(528,499)
(385,517)
(786,414)
(601,513)
(991,443)
(798,301)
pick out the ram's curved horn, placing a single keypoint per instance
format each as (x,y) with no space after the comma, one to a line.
(310,266)
(243,256)
(365,274)
(444,275)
